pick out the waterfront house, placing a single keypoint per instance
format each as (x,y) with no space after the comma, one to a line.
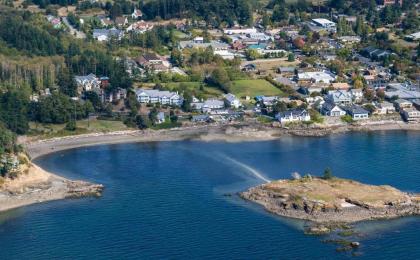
(333,110)
(232,101)
(401,104)
(293,115)
(384,108)
(356,112)
(156,96)
(212,104)
(411,115)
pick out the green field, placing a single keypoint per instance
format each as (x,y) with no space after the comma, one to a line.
(255,87)
(194,87)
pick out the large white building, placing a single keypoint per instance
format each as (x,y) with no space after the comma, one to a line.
(317,76)
(156,96)
(88,82)
(324,23)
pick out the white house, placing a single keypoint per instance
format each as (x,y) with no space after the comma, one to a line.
(105,34)
(212,104)
(324,23)
(156,96)
(136,14)
(294,115)
(356,112)
(411,115)
(88,82)
(340,97)
(356,94)
(331,109)
(240,30)
(384,108)
(232,101)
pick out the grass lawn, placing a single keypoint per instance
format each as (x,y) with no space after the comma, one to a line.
(58,130)
(205,92)
(254,87)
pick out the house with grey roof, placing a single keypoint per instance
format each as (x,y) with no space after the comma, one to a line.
(331,109)
(212,104)
(340,97)
(154,96)
(293,115)
(232,101)
(356,112)
(106,34)
(88,82)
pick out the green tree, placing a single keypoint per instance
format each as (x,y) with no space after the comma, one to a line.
(327,174)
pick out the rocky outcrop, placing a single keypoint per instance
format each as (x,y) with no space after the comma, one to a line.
(294,202)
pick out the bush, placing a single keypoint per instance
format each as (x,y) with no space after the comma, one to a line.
(327,174)
(71,125)
(347,119)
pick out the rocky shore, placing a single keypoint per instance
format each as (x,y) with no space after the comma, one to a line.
(36,185)
(333,201)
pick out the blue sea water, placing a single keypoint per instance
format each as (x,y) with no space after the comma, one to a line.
(168,200)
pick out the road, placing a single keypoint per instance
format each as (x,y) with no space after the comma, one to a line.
(73,31)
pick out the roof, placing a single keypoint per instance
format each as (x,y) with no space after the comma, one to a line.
(292,112)
(156,93)
(323,21)
(355,109)
(230,97)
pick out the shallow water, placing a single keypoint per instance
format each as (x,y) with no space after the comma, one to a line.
(166,200)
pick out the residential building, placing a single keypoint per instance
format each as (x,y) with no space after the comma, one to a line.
(384,108)
(240,30)
(331,109)
(140,27)
(156,96)
(215,45)
(121,21)
(136,14)
(293,115)
(105,34)
(356,112)
(232,101)
(340,97)
(323,24)
(401,104)
(356,94)
(411,115)
(87,83)
(316,76)
(392,2)
(212,104)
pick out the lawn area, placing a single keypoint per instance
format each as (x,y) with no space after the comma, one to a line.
(204,92)
(254,87)
(58,130)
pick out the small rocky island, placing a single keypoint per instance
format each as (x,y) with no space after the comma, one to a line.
(333,200)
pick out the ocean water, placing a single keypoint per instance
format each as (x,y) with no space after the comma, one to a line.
(168,200)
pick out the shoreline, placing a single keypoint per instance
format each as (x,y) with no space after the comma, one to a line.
(39,185)
(229,133)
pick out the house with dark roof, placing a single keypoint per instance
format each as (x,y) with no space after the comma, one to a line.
(356,112)
(331,109)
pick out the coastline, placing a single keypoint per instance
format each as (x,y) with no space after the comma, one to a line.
(38,185)
(241,132)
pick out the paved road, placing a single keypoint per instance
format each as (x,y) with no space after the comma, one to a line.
(73,31)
